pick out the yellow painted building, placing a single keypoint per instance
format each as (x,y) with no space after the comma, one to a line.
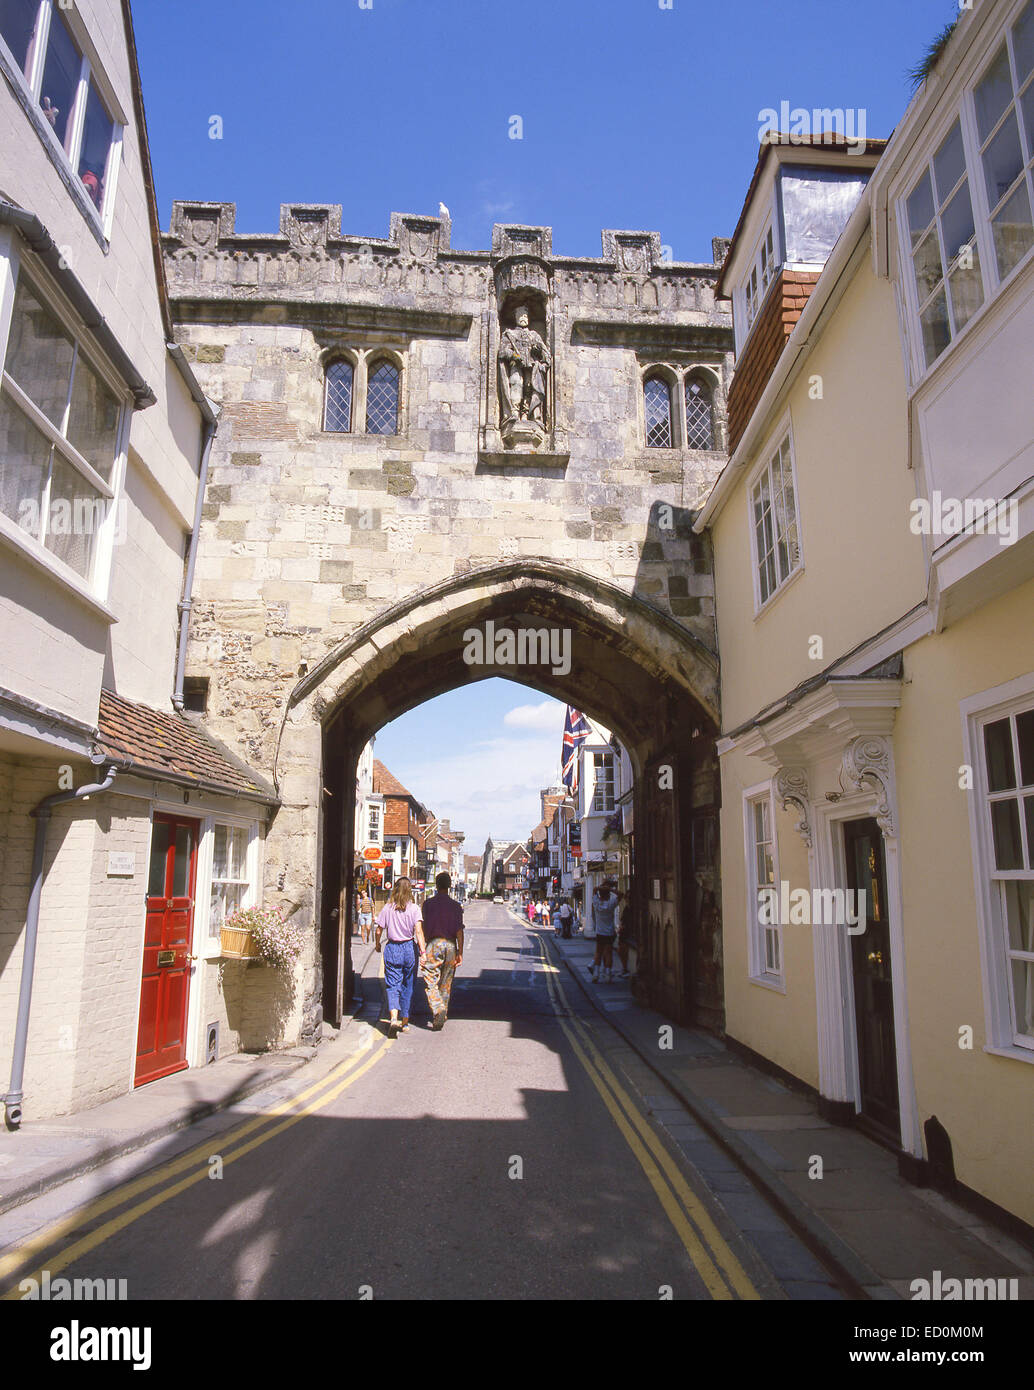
(874,552)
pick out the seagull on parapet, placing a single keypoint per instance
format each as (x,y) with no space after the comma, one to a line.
(443,211)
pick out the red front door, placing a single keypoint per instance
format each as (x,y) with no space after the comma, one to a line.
(161,1045)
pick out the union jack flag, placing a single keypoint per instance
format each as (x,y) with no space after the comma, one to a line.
(576,731)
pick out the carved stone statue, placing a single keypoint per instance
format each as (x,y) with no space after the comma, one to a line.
(523,373)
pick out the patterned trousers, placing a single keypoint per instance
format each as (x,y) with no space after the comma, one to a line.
(438,969)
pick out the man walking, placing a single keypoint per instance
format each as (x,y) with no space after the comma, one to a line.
(443,932)
(604,909)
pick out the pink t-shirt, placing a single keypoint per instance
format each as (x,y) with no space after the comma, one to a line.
(400,926)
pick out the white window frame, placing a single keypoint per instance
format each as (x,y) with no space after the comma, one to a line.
(93,587)
(29,89)
(597,785)
(784,434)
(964,110)
(374,808)
(206,946)
(1012,698)
(757,968)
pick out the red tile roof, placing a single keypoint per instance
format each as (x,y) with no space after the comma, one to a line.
(384,781)
(171,746)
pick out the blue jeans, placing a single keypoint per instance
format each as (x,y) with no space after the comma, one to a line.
(399,974)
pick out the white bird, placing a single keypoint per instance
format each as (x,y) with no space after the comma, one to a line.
(443,211)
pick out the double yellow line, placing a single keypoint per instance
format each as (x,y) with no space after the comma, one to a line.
(194,1164)
(723,1275)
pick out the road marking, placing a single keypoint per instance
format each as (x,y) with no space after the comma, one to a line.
(50,1235)
(723,1276)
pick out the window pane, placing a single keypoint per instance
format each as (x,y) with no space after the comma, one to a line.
(1028,812)
(949,163)
(220,852)
(382,400)
(60,77)
(24,463)
(1027,107)
(1019,914)
(1003,161)
(1012,231)
(934,323)
(929,270)
(1023,995)
(239,853)
(337,415)
(98,132)
(1001,772)
(17,24)
(993,94)
(1023,43)
(218,909)
(181,867)
(699,416)
(1025,738)
(93,419)
(159,850)
(39,354)
(74,518)
(920,208)
(1005,823)
(657,400)
(967,291)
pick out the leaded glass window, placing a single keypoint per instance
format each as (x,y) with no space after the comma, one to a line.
(337,408)
(657,400)
(382,400)
(699,414)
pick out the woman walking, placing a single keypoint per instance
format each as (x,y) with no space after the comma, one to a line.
(365,916)
(400,919)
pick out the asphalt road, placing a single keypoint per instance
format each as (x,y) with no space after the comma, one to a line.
(509,1156)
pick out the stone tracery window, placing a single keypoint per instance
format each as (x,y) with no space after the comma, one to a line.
(382,399)
(699,413)
(337,400)
(657,403)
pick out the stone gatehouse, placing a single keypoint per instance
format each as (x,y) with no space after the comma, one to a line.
(414,440)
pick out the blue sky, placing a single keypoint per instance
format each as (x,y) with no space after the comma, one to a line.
(634,116)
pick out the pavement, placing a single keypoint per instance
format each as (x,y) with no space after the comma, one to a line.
(46,1154)
(861,1219)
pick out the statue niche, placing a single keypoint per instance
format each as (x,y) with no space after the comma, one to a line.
(524,366)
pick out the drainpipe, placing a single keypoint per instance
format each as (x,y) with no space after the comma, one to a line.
(13,1099)
(211,419)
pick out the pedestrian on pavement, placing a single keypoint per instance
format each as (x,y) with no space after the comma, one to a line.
(566,913)
(365,916)
(623,926)
(400,919)
(545,913)
(531,910)
(443,933)
(603,909)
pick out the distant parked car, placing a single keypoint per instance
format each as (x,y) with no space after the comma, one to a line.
(498,899)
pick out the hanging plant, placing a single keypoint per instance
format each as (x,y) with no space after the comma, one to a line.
(262,932)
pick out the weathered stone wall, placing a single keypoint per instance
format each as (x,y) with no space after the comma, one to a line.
(308,535)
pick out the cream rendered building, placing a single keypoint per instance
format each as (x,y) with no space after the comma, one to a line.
(877,671)
(103,429)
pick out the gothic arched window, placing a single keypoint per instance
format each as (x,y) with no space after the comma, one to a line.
(657,403)
(699,414)
(337,398)
(382,399)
